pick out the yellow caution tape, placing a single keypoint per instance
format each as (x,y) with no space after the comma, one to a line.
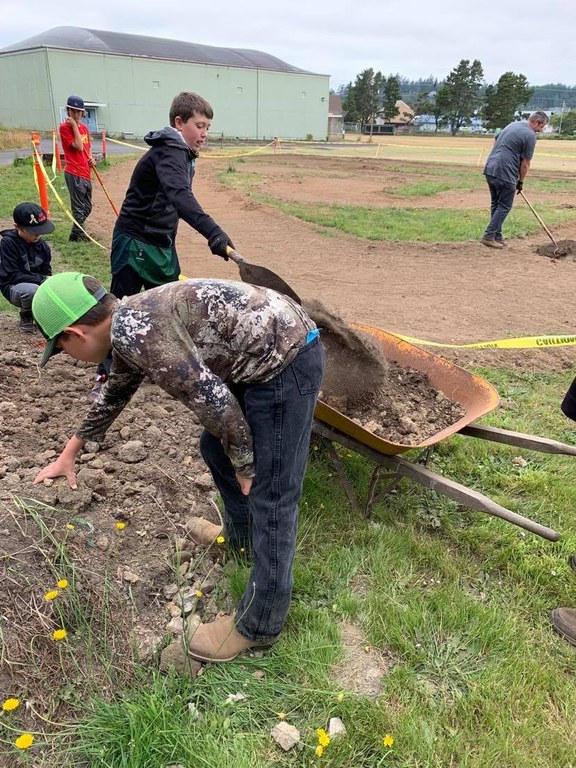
(522,342)
(60,201)
(275,144)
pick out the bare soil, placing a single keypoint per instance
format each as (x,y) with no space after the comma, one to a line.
(148,473)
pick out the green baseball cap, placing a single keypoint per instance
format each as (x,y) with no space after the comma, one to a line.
(60,301)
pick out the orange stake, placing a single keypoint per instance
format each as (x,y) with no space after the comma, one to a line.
(40,180)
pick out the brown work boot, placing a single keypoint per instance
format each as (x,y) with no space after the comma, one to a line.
(564,622)
(219,641)
(202,531)
(489,242)
(572,562)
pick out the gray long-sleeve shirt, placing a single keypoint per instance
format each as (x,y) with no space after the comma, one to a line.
(191,338)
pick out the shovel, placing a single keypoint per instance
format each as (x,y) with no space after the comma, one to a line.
(557,251)
(257,275)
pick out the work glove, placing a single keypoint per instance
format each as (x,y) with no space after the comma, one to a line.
(519,186)
(219,242)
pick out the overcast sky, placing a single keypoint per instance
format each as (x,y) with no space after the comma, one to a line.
(339,38)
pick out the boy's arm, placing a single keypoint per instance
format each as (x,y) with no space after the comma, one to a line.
(116,393)
(163,348)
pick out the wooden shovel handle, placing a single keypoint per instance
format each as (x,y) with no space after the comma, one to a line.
(234,255)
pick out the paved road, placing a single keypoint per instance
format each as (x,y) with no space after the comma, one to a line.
(7,155)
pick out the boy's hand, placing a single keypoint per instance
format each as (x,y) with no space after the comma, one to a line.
(245,483)
(59,468)
(219,242)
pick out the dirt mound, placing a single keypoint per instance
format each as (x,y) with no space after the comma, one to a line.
(565,248)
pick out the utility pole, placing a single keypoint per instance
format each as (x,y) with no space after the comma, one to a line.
(561,116)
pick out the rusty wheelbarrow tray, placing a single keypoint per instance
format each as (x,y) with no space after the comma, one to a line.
(476,396)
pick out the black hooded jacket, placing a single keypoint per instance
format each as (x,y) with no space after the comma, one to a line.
(22,262)
(160,193)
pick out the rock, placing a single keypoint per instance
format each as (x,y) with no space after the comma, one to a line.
(186,601)
(132,452)
(175,657)
(336,728)
(103,543)
(91,446)
(286,735)
(170,590)
(176,625)
(92,478)
(147,643)
(204,481)
(127,575)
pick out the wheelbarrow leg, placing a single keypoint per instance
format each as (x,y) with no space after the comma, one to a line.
(434,482)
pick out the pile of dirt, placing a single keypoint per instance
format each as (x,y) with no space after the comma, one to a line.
(565,248)
(394,402)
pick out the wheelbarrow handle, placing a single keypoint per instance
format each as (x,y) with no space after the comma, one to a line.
(234,255)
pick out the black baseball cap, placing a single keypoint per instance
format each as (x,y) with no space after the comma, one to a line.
(33,218)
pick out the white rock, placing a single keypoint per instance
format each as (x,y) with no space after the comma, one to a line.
(336,728)
(286,735)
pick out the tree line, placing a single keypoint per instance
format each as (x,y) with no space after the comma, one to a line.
(453,102)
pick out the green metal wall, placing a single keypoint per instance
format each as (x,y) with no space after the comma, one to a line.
(137,92)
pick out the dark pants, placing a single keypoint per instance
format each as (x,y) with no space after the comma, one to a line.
(279,413)
(126,282)
(80,202)
(502,199)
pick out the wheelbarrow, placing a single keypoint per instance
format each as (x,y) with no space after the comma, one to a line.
(474,394)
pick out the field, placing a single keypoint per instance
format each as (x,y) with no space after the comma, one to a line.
(426,628)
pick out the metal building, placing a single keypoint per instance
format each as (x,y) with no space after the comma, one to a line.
(128,82)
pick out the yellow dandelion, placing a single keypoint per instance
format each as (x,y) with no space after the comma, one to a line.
(120,525)
(69,527)
(388,740)
(281,715)
(59,634)
(10,704)
(52,595)
(319,750)
(323,738)
(220,540)
(24,741)
(198,594)
(62,583)
(340,697)
(242,550)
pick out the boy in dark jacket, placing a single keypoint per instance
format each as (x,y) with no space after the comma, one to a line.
(159,195)
(25,259)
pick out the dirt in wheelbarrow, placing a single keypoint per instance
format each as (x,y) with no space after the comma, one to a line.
(394,402)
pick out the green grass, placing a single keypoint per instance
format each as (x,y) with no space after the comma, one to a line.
(430,225)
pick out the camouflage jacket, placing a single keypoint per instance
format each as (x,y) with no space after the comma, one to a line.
(191,338)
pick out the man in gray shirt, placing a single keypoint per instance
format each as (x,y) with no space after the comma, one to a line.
(506,169)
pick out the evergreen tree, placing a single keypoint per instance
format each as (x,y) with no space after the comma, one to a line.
(363,99)
(459,99)
(503,100)
(390,95)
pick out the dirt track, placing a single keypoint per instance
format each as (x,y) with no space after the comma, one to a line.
(446,292)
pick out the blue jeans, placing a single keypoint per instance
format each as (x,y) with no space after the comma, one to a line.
(502,198)
(21,295)
(279,413)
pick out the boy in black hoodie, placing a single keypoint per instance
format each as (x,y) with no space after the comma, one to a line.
(25,259)
(143,251)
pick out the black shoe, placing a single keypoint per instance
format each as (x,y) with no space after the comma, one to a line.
(572,562)
(26,322)
(79,238)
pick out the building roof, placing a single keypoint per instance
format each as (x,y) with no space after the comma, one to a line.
(121,44)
